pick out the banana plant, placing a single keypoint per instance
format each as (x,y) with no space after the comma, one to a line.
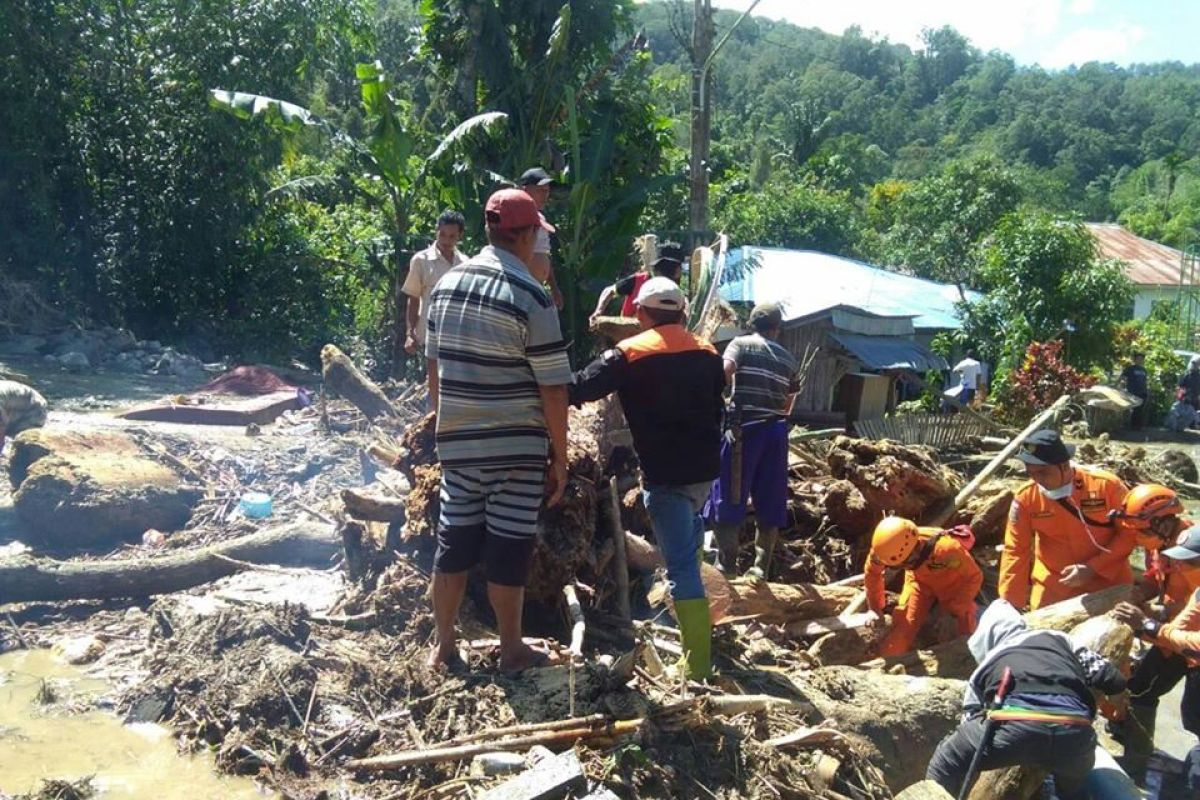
(386,155)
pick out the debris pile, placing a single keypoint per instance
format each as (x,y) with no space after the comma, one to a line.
(79,350)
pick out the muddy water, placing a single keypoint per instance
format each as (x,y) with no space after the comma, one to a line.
(128,762)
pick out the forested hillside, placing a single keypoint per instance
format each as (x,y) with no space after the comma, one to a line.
(846,115)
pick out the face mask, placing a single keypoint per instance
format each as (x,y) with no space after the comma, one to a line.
(1061,493)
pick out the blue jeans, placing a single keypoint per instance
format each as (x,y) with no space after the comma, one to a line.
(675,514)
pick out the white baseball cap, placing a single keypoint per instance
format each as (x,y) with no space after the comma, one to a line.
(661,293)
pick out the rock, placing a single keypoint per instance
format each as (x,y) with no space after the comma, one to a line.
(94,488)
(79,649)
(121,340)
(52,360)
(23,344)
(74,361)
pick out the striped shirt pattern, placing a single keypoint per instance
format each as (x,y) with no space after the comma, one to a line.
(496,338)
(506,501)
(766,374)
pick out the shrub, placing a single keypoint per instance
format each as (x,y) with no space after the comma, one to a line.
(1040,379)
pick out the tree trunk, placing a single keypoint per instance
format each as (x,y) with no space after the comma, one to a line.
(954,660)
(371,504)
(342,376)
(306,544)
(773,603)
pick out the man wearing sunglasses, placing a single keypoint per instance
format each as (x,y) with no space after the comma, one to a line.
(1061,540)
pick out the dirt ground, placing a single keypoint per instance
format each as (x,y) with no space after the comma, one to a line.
(288,676)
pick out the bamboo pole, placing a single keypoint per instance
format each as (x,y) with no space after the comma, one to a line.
(620,557)
(971,488)
(438,755)
(527,728)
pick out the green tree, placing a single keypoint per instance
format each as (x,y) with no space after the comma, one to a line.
(791,214)
(386,154)
(1043,281)
(940,220)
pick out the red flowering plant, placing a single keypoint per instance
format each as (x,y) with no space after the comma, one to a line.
(1042,377)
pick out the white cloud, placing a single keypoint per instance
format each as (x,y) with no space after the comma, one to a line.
(1094,44)
(1081,7)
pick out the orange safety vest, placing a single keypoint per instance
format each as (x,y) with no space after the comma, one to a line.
(1046,536)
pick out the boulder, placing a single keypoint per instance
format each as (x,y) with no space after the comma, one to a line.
(74,361)
(79,489)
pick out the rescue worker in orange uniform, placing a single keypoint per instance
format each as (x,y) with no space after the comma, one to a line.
(938,568)
(1153,512)
(1061,540)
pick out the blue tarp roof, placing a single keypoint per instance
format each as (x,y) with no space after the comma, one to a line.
(890,352)
(807,282)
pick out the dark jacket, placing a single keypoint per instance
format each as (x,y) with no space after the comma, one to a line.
(1045,664)
(670,383)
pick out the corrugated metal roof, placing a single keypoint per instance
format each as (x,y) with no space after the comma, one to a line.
(807,282)
(1147,263)
(890,352)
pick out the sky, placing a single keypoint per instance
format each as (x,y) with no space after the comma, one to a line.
(1052,33)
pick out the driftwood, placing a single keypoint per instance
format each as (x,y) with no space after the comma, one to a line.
(438,755)
(954,660)
(787,602)
(567,732)
(303,544)
(342,376)
(373,505)
(925,790)
(641,555)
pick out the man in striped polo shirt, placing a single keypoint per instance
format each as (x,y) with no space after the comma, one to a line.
(494,340)
(765,379)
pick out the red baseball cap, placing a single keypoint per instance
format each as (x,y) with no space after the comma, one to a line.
(513,208)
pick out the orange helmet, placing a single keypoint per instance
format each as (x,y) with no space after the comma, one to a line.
(894,540)
(1149,501)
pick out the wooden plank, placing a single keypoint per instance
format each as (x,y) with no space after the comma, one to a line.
(202,410)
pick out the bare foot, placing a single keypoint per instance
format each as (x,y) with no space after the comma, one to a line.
(448,659)
(525,657)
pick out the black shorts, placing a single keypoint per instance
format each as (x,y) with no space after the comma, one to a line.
(506,562)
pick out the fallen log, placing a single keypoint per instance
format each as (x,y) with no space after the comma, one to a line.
(342,376)
(786,602)
(810,629)
(925,790)
(953,660)
(301,544)
(374,505)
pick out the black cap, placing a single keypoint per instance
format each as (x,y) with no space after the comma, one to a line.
(535,177)
(1044,448)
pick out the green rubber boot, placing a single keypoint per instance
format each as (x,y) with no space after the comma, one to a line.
(764,548)
(727,548)
(695,629)
(1139,741)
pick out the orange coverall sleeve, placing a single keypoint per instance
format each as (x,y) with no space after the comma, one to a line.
(1113,565)
(1016,562)
(1182,634)
(873,582)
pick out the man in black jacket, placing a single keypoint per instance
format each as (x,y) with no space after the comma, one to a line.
(1045,720)
(670,383)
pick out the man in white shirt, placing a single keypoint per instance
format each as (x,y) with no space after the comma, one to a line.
(537,182)
(970,373)
(424,270)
